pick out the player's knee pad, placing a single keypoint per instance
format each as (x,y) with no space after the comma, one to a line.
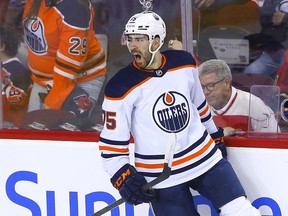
(239,207)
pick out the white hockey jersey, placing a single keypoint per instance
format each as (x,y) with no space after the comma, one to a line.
(150,104)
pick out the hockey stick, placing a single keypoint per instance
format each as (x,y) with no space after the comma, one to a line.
(164,175)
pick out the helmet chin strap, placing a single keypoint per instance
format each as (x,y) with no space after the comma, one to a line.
(127,44)
(152,52)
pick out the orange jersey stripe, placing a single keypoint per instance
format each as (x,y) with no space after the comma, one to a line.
(177,162)
(196,154)
(106,148)
(184,66)
(204,111)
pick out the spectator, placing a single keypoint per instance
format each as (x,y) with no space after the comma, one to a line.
(16,81)
(282,74)
(266,55)
(274,19)
(11,12)
(13,16)
(63,51)
(226,100)
(163,95)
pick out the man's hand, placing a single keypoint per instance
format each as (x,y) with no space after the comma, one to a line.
(277,18)
(129,183)
(175,44)
(219,141)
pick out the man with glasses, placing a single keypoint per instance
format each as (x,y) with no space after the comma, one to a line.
(225,100)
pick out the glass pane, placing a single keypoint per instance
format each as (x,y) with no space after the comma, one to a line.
(264,111)
(109,23)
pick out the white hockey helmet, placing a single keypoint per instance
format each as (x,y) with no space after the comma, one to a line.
(148,23)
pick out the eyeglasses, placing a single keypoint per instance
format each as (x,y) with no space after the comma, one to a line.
(211,86)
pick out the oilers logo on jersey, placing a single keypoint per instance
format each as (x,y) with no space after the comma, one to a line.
(171,112)
(34,33)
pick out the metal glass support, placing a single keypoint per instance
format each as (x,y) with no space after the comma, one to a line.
(186,23)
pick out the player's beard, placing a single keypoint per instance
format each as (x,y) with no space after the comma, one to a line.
(142,59)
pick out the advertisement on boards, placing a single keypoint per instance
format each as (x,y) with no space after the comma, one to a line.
(61,178)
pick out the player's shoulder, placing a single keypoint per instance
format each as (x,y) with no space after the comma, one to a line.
(179,58)
(74,12)
(122,82)
(242,92)
(245,96)
(14,66)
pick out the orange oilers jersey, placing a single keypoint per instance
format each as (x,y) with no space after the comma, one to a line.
(16,86)
(151,104)
(63,47)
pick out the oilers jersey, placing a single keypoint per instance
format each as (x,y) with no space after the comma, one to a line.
(16,83)
(63,47)
(16,87)
(150,104)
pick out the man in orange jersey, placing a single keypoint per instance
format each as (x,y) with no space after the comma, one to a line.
(63,50)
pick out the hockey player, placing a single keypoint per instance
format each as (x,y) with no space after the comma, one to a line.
(63,50)
(16,81)
(160,93)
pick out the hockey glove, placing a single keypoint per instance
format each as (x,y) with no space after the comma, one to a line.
(219,141)
(129,183)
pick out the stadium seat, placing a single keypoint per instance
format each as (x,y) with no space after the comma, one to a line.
(245,81)
(206,48)
(243,16)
